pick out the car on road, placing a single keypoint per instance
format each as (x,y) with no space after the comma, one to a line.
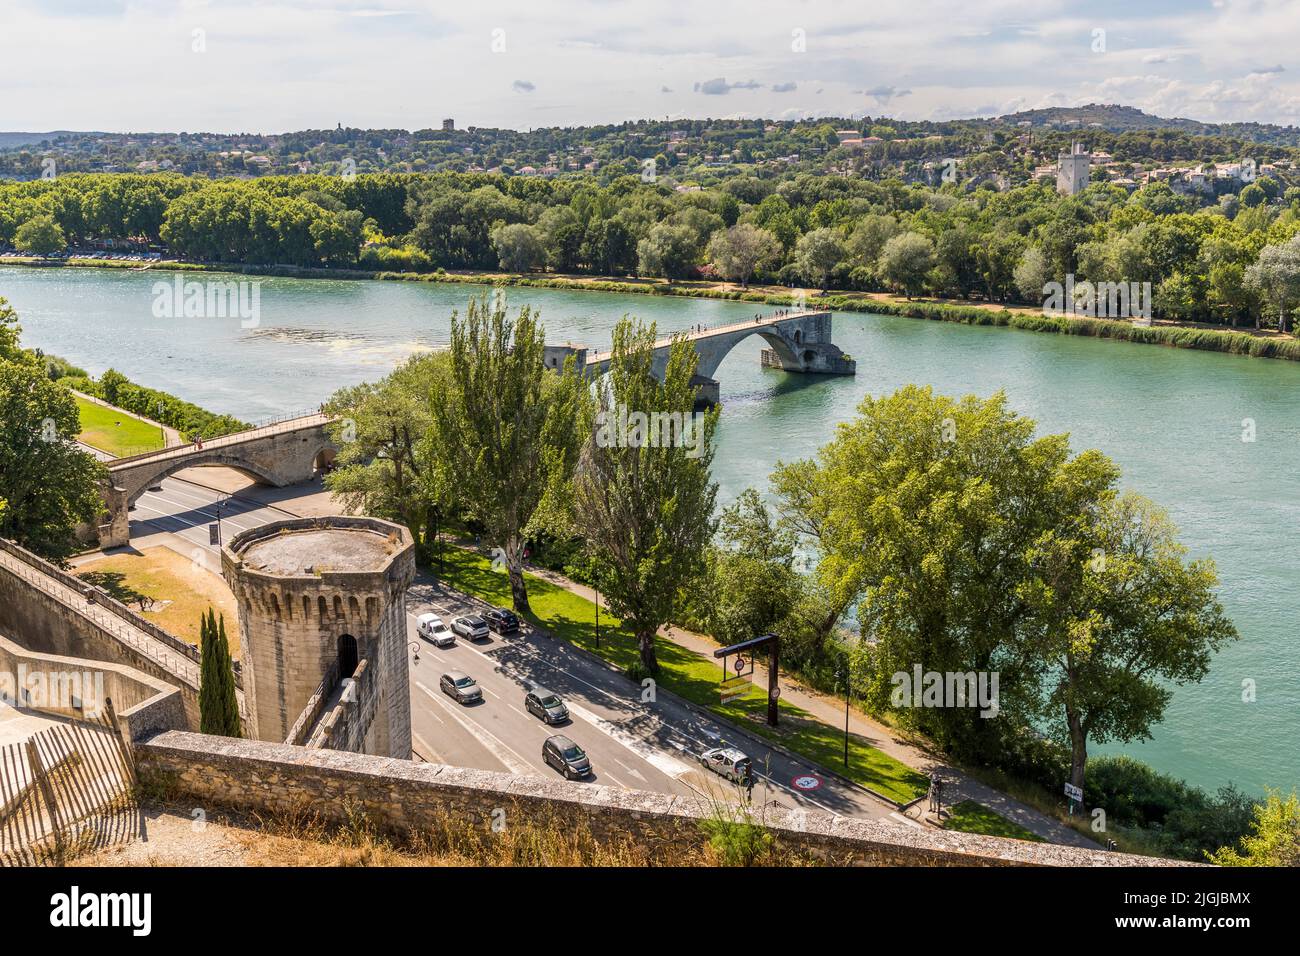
(461,687)
(565,756)
(431,628)
(542,703)
(728,762)
(470,626)
(502,621)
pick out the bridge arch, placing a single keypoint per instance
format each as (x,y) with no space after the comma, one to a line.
(711,358)
(142,483)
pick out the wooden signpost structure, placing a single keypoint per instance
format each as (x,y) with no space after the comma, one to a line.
(746,652)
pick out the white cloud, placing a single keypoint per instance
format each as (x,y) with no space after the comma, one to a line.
(290,64)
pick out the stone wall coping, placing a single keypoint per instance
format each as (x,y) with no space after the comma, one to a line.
(428,781)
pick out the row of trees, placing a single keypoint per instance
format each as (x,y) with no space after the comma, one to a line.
(1223,261)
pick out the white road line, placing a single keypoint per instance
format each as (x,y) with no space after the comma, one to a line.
(517,710)
(632,770)
(512,760)
(429,753)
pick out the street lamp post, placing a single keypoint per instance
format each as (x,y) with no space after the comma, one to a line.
(597,617)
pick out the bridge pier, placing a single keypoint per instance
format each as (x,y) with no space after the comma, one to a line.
(820,358)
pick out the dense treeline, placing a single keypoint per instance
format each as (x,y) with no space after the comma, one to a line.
(1230,260)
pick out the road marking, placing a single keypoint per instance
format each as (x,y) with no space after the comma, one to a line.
(509,758)
(632,770)
(432,755)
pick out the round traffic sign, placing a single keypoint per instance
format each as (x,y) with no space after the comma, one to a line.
(775,693)
(807,781)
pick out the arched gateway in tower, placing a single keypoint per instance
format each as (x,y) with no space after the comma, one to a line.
(322,603)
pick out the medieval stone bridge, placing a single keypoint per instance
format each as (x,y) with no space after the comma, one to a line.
(279,454)
(799,341)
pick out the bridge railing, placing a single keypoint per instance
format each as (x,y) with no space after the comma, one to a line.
(702,331)
(178,450)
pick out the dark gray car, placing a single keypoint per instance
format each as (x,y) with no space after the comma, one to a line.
(461,686)
(565,756)
(542,703)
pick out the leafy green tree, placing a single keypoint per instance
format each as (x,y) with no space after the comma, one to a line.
(1275,278)
(1032,274)
(669,251)
(755,584)
(642,496)
(40,236)
(741,250)
(50,485)
(507,428)
(905,262)
(518,247)
(390,463)
(1276,837)
(218,705)
(1118,616)
(816,255)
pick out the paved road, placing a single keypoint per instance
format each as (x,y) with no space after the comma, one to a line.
(635,744)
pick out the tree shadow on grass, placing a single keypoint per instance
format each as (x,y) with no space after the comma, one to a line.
(116,586)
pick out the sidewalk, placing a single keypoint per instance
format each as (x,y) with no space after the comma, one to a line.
(959,786)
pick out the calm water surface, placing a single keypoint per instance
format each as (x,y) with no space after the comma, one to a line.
(1172,419)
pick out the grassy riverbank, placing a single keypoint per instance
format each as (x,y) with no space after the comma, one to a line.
(1259,344)
(114,431)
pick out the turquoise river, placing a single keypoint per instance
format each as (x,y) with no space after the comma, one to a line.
(1172,419)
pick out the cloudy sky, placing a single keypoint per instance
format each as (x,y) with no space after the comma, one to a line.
(275,65)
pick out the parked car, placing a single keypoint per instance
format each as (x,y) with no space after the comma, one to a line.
(502,621)
(565,756)
(540,702)
(728,762)
(470,626)
(431,628)
(461,687)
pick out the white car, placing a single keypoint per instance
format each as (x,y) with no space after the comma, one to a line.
(728,762)
(431,628)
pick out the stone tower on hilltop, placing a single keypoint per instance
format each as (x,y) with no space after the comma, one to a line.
(1072,170)
(322,624)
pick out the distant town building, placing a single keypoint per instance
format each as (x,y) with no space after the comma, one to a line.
(448,125)
(1072,170)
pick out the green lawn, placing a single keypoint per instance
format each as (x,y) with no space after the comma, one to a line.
(688,675)
(115,432)
(971,817)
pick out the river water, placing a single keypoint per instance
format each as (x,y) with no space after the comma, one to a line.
(1172,419)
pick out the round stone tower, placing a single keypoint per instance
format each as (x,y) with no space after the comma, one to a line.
(321,600)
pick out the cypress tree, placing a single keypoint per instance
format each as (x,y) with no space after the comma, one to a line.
(218,707)
(229,702)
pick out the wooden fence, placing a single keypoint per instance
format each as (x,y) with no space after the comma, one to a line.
(67,790)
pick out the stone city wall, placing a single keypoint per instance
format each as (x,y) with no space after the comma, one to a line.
(402,796)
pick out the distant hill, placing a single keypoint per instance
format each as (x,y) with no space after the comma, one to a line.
(1120,119)
(14,140)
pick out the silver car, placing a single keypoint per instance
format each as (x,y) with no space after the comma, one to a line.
(461,687)
(470,626)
